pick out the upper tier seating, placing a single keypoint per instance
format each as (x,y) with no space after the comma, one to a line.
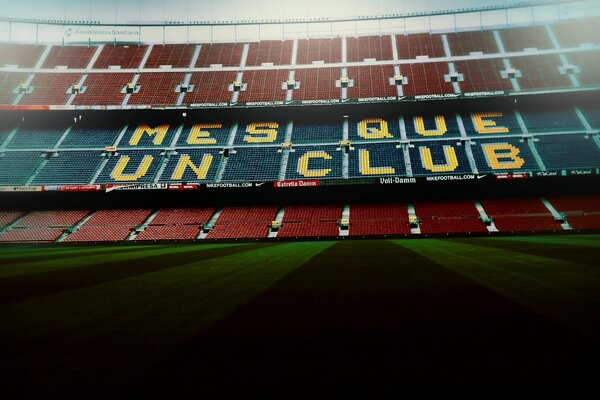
(551,120)
(463,43)
(426,78)
(518,39)
(482,75)
(69,167)
(175,55)
(363,47)
(326,50)
(419,44)
(226,54)
(277,52)
(22,55)
(540,72)
(576,32)
(264,85)
(125,56)
(316,131)
(9,81)
(69,56)
(90,133)
(587,62)
(317,84)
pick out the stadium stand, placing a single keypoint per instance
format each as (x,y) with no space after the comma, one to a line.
(157,88)
(6,217)
(247,164)
(50,89)
(9,83)
(322,130)
(243,222)
(324,162)
(457,216)
(317,84)
(103,89)
(264,85)
(379,159)
(482,75)
(21,55)
(37,134)
(175,55)
(379,219)
(529,37)
(325,50)
(522,214)
(576,32)
(277,52)
(69,56)
(426,78)
(464,43)
(554,120)
(311,221)
(17,167)
(587,62)
(69,167)
(52,218)
(192,165)
(131,167)
(427,126)
(419,44)
(226,54)
(204,133)
(503,155)
(210,87)
(487,123)
(125,56)
(176,223)
(540,71)
(109,225)
(89,133)
(441,157)
(369,47)
(568,151)
(371,81)
(581,211)
(31,235)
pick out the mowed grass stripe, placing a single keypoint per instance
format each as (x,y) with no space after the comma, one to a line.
(375,313)
(574,240)
(570,251)
(123,265)
(104,335)
(74,259)
(66,252)
(566,292)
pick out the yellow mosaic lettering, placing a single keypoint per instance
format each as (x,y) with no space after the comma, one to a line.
(313,173)
(267,129)
(159,134)
(440,126)
(199,136)
(487,125)
(503,156)
(185,162)
(449,154)
(369,132)
(142,169)
(365,168)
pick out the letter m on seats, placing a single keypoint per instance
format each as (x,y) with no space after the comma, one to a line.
(158,134)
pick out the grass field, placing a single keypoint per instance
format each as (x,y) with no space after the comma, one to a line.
(95,321)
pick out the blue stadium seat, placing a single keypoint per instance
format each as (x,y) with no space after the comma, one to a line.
(90,137)
(196,157)
(551,120)
(317,163)
(438,153)
(491,123)
(568,151)
(16,167)
(485,165)
(69,167)
(317,132)
(220,135)
(258,163)
(42,138)
(135,159)
(380,155)
(392,134)
(431,125)
(592,115)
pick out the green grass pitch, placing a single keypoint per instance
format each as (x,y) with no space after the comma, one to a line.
(163,319)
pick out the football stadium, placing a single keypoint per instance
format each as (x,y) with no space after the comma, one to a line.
(284,196)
